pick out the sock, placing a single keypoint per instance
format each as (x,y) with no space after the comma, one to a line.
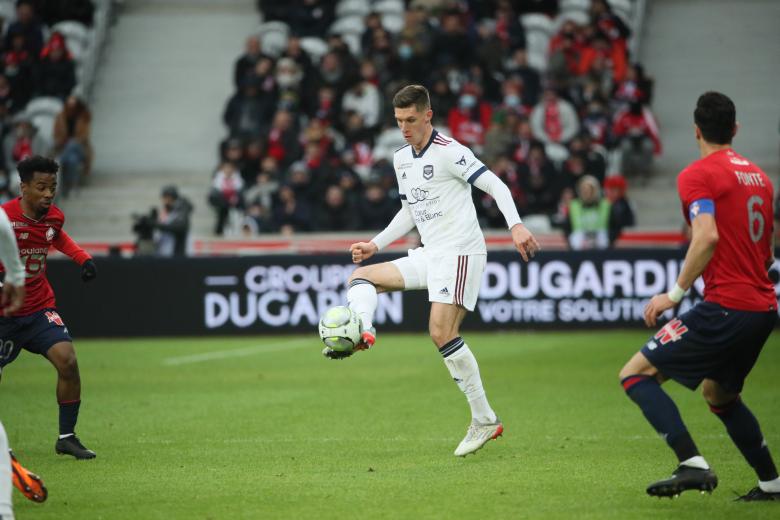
(772,486)
(464,370)
(696,462)
(362,298)
(746,434)
(69,414)
(662,414)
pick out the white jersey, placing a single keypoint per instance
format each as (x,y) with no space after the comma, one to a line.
(436,185)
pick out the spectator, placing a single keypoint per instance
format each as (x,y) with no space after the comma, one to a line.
(245,65)
(5,188)
(27,26)
(72,142)
(173,223)
(636,133)
(376,208)
(290,214)
(522,140)
(600,58)
(470,120)
(553,119)
(610,25)
(252,159)
(589,216)
(258,220)
(539,181)
(225,194)
(24,141)
(372,23)
(492,217)
(596,121)
(517,67)
(247,110)
(621,213)
(295,52)
(594,154)
(289,76)
(283,142)
(636,87)
(364,99)
(498,140)
(335,213)
(19,68)
(264,188)
(451,46)
(55,74)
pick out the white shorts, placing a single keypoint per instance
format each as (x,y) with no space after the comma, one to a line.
(449,277)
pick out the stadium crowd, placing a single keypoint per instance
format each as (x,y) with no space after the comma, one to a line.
(311,133)
(38,76)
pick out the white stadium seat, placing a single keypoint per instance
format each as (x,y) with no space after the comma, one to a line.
(43,105)
(314,47)
(352,8)
(535,21)
(348,25)
(393,22)
(389,7)
(574,5)
(74,31)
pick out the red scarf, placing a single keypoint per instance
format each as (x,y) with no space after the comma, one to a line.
(552,121)
(22,149)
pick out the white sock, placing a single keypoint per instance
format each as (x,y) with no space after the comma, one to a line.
(362,298)
(696,462)
(464,370)
(5,477)
(770,486)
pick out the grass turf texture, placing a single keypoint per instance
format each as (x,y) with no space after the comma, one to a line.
(267,428)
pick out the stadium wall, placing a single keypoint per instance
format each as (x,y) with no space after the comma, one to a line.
(286,294)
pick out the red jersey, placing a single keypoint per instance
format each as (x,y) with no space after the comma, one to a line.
(736,276)
(34,238)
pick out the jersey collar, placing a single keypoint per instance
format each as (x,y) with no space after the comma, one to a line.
(425,149)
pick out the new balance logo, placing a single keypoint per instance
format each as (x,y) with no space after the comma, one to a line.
(403,175)
(444,291)
(462,161)
(672,331)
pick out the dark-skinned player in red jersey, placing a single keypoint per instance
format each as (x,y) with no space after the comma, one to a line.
(728,202)
(36,326)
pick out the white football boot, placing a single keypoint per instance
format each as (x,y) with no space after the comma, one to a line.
(477,436)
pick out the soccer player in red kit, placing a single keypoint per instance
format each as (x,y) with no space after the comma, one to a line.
(728,202)
(36,326)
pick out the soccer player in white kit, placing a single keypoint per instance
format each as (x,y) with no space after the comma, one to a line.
(11,299)
(435,174)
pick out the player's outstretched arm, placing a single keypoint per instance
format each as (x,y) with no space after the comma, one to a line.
(69,247)
(523,239)
(704,238)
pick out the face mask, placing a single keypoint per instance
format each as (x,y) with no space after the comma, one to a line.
(467,101)
(405,52)
(512,100)
(286,79)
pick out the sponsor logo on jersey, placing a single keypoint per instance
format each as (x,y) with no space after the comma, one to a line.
(50,234)
(428,172)
(462,161)
(53,317)
(418,195)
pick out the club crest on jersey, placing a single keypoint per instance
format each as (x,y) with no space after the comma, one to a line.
(53,317)
(428,172)
(50,234)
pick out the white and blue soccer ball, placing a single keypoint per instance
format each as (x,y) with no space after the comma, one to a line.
(340,328)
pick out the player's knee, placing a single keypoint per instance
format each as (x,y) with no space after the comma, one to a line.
(361,273)
(440,336)
(715,395)
(68,367)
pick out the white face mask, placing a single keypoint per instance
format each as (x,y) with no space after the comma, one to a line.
(467,101)
(287,79)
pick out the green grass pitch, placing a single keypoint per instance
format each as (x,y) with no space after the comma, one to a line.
(267,428)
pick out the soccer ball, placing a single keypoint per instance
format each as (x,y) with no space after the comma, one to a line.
(340,328)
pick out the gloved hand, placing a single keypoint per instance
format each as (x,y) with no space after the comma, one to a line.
(88,270)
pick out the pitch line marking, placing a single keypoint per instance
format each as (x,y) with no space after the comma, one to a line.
(239,352)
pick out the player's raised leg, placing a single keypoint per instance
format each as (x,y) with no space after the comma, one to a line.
(63,356)
(745,432)
(444,328)
(642,383)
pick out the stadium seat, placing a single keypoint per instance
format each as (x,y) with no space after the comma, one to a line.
(537,41)
(274,43)
(347,25)
(352,8)
(556,152)
(389,7)
(387,143)
(7,12)
(578,17)
(575,5)
(44,123)
(73,32)
(537,22)
(43,105)
(537,59)
(314,47)
(353,42)
(623,8)
(393,22)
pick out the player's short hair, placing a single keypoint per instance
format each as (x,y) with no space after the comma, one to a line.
(716,117)
(37,163)
(413,95)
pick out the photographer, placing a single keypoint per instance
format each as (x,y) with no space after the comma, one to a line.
(164,233)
